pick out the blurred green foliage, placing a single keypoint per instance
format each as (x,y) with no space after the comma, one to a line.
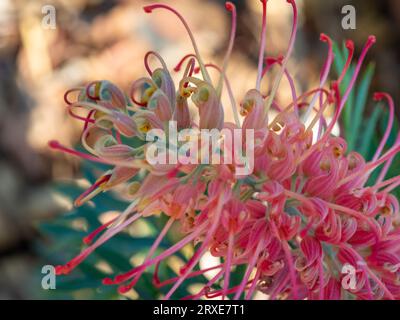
(363,132)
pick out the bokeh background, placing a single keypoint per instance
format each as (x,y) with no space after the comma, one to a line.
(107,39)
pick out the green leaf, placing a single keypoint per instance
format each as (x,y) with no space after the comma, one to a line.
(360,103)
(369,132)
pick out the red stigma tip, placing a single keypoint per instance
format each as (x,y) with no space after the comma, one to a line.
(371,39)
(323,37)
(86,240)
(280,58)
(350,44)
(270,60)
(229,6)
(60,270)
(173,173)
(123,277)
(196,70)
(53,144)
(378,96)
(148,9)
(107,281)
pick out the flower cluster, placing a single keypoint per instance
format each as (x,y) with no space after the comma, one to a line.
(303,213)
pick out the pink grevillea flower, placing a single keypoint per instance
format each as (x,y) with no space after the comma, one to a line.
(304,212)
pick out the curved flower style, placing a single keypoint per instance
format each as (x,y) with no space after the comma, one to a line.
(304,212)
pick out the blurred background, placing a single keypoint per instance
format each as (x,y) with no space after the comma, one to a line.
(107,39)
